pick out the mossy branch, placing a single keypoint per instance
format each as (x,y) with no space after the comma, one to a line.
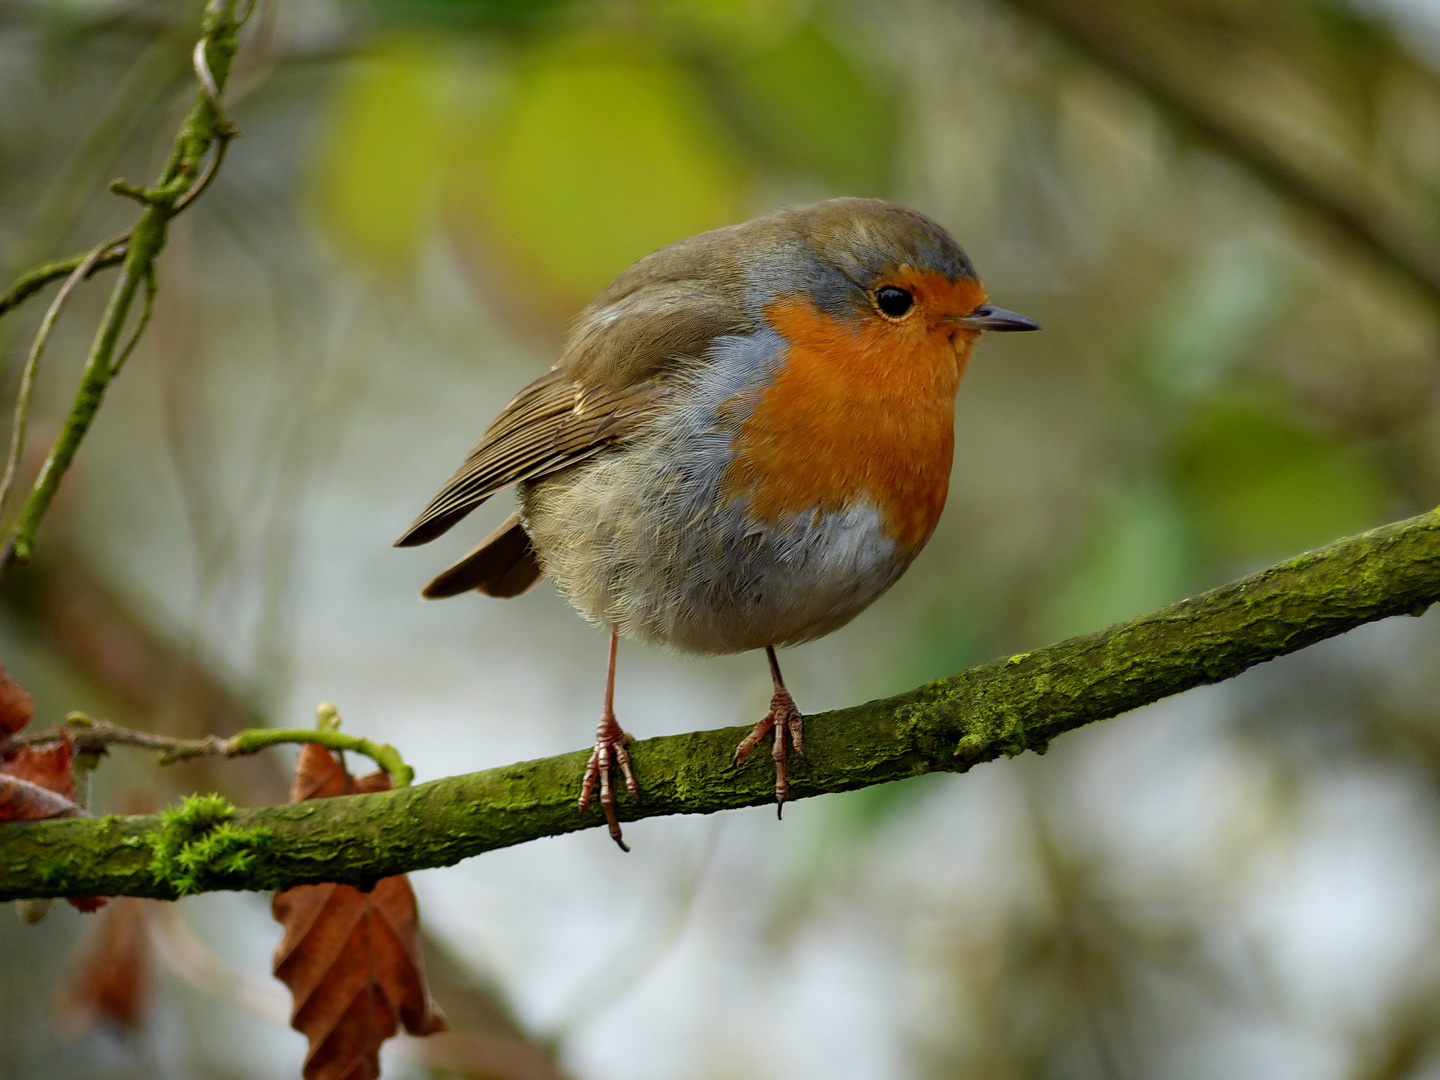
(1001,708)
(198,151)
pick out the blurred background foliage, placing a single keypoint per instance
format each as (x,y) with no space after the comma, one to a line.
(1226,214)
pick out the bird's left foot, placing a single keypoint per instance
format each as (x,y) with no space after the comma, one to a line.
(785,720)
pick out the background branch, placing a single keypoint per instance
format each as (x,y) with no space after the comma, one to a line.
(1139,51)
(1004,707)
(32,281)
(181,180)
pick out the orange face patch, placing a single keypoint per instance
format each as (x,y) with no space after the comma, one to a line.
(862,410)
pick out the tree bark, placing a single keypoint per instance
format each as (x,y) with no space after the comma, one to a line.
(1004,707)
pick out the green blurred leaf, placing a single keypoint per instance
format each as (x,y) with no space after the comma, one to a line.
(1261,487)
(733,26)
(601,152)
(811,106)
(488,14)
(1141,556)
(1219,313)
(380,154)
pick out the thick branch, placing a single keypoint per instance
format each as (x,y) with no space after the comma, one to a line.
(1004,707)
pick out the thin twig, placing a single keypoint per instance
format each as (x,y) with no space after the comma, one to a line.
(207,80)
(225,130)
(32,364)
(94,736)
(145,313)
(32,281)
(211,168)
(204,127)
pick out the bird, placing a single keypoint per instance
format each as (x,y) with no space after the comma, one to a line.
(747,439)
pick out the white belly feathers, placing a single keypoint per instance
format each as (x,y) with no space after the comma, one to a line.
(638,538)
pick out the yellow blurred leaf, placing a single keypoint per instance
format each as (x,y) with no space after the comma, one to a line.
(600,153)
(380,157)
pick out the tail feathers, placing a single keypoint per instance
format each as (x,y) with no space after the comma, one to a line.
(503,565)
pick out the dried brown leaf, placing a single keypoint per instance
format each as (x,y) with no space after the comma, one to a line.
(21,800)
(350,958)
(50,768)
(16,705)
(112,980)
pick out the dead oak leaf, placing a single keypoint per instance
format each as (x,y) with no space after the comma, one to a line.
(350,958)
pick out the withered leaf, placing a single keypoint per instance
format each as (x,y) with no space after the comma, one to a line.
(50,768)
(22,800)
(111,981)
(16,705)
(350,958)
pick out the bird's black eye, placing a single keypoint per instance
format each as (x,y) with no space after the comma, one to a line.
(894,301)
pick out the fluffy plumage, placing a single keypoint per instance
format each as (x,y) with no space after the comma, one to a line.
(633,497)
(746,441)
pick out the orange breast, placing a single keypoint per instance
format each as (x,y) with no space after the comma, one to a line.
(859,412)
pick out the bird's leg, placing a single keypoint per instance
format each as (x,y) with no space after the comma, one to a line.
(785,719)
(610,742)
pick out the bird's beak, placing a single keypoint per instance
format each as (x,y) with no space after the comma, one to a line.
(989,317)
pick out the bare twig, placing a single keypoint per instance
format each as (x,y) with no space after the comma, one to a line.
(205,127)
(32,364)
(32,281)
(93,736)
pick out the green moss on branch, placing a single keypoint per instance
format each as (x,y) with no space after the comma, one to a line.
(1002,708)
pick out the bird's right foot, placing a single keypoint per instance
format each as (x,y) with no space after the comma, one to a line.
(610,749)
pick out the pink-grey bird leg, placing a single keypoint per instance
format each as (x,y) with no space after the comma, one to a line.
(610,742)
(784,718)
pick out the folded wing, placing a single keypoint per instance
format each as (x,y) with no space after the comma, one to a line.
(610,380)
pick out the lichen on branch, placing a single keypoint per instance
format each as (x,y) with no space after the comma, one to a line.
(1004,707)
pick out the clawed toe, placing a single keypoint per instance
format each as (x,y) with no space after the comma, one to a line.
(788,725)
(610,749)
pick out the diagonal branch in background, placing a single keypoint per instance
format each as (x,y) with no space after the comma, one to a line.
(1001,708)
(1098,31)
(204,135)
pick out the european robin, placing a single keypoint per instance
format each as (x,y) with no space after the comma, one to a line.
(747,439)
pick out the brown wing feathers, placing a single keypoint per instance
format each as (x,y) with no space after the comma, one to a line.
(503,565)
(612,376)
